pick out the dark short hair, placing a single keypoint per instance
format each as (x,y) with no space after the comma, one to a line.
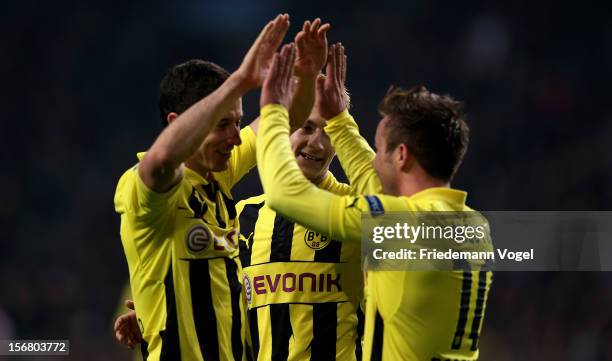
(185,84)
(433,128)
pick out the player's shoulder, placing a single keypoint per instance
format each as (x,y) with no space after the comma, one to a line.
(378,204)
(126,181)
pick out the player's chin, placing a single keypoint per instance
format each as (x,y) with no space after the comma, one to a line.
(220,164)
(310,172)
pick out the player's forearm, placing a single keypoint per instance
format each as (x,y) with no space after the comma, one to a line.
(159,169)
(183,136)
(303,101)
(354,153)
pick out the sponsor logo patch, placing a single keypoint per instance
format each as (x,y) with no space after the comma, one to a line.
(198,239)
(248,289)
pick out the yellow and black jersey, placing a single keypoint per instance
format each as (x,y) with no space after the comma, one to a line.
(302,287)
(425,316)
(182,249)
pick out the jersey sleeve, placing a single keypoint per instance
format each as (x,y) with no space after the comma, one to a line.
(133,197)
(331,184)
(354,153)
(291,194)
(242,159)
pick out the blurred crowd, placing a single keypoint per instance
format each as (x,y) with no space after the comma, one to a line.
(81,82)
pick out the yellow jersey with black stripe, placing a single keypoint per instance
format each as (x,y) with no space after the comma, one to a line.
(426,316)
(182,247)
(302,287)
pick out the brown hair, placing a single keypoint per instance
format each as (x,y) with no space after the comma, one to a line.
(432,127)
(185,84)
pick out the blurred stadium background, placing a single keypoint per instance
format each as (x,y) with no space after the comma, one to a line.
(80,99)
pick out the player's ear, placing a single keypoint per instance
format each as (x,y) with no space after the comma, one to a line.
(403,157)
(171,116)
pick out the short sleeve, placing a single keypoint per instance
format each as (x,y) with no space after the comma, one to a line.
(134,197)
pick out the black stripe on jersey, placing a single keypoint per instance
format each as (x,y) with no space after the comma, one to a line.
(234,285)
(144,349)
(171,346)
(199,208)
(466,294)
(248,219)
(331,253)
(281,331)
(324,323)
(482,288)
(254,329)
(377,342)
(211,192)
(282,239)
(209,189)
(360,328)
(230,205)
(204,316)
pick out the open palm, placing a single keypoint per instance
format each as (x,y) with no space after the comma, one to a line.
(311,44)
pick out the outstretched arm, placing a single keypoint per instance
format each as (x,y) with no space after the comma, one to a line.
(287,190)
(160,169)
(354,152)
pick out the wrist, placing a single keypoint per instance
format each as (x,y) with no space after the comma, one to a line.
(240,83)
(307,78)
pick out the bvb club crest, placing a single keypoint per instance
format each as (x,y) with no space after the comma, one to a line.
(316,240)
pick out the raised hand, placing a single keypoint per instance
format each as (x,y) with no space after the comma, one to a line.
(311,44)
(258,59)
(278,86)
(331,95)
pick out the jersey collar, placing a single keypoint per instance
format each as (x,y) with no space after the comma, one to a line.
(444,194)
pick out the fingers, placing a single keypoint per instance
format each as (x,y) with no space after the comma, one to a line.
(289,66)
(287,58)
(274,68)
(339,56)
(331,65)
(323,30)
(314,28)
(280,25)
(320,86)
(130,304)
(275,31)
(120,329)
(300,39)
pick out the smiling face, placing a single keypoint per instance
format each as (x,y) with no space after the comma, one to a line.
(215,151)
(312,148)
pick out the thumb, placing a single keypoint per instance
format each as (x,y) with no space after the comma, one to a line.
(129,304)
(320,84)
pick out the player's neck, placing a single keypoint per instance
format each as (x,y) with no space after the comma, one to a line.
(412,183)
(197,167)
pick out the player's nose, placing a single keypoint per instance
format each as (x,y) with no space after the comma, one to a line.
(314,141)
(234,136)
